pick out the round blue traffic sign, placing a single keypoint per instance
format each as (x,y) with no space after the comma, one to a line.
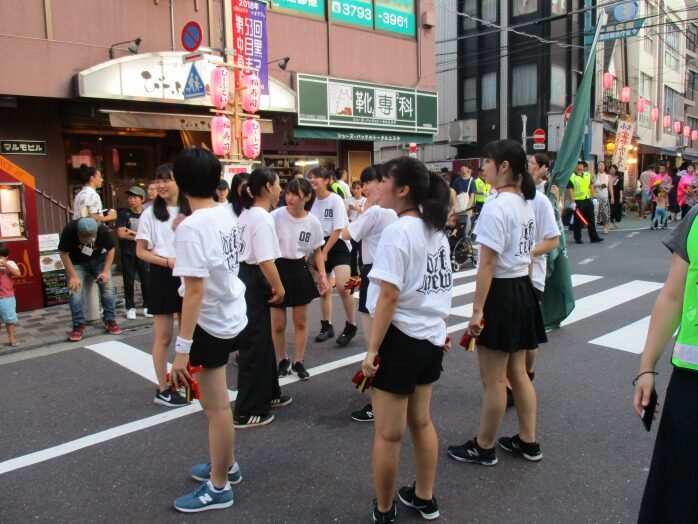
(626,11)
(192,36)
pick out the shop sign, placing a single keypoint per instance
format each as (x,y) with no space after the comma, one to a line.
(334,102)
(22,147)
(622,21)
(354,12)
(624,136)
(306,7)
(362,136)
(250,37)
(395,16)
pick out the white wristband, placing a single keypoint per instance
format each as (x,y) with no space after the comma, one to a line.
(183,346)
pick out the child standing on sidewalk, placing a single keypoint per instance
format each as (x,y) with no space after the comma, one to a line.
(8,305)
(660,216)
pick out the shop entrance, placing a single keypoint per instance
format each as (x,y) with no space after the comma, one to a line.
(126,165)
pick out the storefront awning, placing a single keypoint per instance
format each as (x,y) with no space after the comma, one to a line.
(689,155)
(363,136)
(174,121)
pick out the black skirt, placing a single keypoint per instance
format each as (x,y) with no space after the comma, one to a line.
(163,291)
(512,316)
(298,282)
(363,289)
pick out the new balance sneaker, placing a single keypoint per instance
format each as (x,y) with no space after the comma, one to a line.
(515,445)
(284,365)
(205,497)
(326,331)
(112,327)
(345,337)
(365,414)
(202,472)
(252,421)
(170,399)
(471,452)
(384,518)
(428,509)
(76,334)
(300,370)
(131,314)
(280,402)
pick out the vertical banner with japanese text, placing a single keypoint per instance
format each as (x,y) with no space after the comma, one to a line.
(624,137)
(250,37)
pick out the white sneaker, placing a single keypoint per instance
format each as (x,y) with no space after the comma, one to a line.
(131,314)
(145,313)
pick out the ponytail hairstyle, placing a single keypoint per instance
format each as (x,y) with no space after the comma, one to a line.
(511,151)
(85,173)
(235,185)
(248,191)
(428,191)
(166,172)
(301,188)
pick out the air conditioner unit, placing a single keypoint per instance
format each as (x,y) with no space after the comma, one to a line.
(463,131)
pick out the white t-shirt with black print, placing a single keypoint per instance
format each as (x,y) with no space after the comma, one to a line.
(258,235)
(298,237)
(353,201)
(368,229)
(159,235)
(506,225)
(415,259)
(546,227)
(207,245)
(331,213)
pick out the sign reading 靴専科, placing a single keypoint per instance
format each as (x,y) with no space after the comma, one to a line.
(334,102)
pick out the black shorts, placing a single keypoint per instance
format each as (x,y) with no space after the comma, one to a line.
(339,255)
(539,294)
(163,294)
(363,289)
(406,362)
(298,283)
(209,351)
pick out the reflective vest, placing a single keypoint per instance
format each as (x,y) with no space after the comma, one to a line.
(685,353)
(582,186)
(482,191)
(338,189)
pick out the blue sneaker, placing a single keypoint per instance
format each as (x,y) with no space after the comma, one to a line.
(202,472)
(205,498)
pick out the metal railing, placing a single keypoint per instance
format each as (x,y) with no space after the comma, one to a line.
(53,215)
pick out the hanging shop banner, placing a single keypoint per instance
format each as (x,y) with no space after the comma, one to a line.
(354,12)
(624,137)
(334,102)
(250,37)
(362,136)
(305,7)
(395,16)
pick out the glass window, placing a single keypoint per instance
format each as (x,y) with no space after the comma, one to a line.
(469,8)
(673,47)
(524,82)
(525,7)
(489,91)
(12,211)
(470,95)
(558,86)
(692,38)
(646,87)
(558,7)
(649,31)
(672,103)
(489,10)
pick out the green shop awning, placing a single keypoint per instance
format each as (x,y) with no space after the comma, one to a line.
(367,136)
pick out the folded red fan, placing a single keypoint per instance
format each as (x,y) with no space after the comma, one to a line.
(362,381)
(192,390)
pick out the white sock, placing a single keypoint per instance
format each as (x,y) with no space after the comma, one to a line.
(216,490)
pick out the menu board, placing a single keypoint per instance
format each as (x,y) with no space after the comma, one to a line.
(53,273)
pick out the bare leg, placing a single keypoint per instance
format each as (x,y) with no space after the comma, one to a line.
(493,369)
(531,361)
(326,305)
(164,325)
(300,332)
(278,331)
(366,323)
(424,440)
(341,274)
(11,333)
(524,396)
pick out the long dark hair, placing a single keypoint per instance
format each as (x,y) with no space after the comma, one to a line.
(301,188)
(428,191)
(86,172)
(166,172)
(542,159)
(511,151)
(238,180)
(258,180)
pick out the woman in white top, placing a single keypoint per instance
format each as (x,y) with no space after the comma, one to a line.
(329,209)
(409,298)
(155,245)
(258,382)
(506,315)
(300,235)
(603,185)
(356,204)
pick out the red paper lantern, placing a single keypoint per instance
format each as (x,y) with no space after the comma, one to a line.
(607,80)
(252,90)
(625,95)
(667,121)
(686,131)
(694,135)
(640,106)
(654,114)
(677,127)
(221,135)
(220,87)
(251,138)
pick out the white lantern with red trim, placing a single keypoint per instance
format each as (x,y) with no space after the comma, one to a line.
(221,135)
(625,95)
(251,92)
(220,87)
(667,121)
(654,114)
(607,80)
(686,131)
(251,138)
(640,105)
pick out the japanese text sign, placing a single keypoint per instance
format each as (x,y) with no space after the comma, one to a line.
(250,37)
(22,147)
(396,16)
(624,137)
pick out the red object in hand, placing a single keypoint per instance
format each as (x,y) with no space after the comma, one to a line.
(362,381)
(192,390)
(581,217)
(468,341)
(352,284)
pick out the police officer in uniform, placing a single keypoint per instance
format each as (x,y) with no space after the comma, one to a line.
(580,191)
(482,191)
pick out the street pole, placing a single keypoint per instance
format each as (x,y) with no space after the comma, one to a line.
(524,121)
(588,38)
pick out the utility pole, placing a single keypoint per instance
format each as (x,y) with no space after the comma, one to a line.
(504,71)
(588,38)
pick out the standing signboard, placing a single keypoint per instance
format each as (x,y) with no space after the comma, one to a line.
(53,273)
(624,136)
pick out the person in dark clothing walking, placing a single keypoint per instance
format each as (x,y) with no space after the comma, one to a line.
(581,191)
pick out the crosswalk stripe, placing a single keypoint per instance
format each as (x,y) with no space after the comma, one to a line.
(463,274)
(131,358)
(630,338)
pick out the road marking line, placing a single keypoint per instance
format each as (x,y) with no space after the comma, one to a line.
(634,233)
(586,261)
(463,274)
(630,338)
(133,359)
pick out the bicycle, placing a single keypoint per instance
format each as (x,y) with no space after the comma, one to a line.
(465,248)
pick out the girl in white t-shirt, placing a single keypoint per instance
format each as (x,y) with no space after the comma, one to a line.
(329,209)
(258,381)
(409,298)
(155,245)
(356,204)
(506,315)
(300,235)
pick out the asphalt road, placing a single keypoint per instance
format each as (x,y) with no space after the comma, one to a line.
(81,440)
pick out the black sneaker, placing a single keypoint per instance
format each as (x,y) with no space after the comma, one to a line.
(283,400)
(300,370)
(252,421)
(346,335)
(384,518)
(284,365)
(528,451)
(428,509)
(170,399)
(365,414)
(326,332)
(471,452)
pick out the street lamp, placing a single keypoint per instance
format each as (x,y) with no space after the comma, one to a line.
(283,62)
(133,46)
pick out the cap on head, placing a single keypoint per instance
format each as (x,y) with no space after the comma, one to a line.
(87,226)
(136,191)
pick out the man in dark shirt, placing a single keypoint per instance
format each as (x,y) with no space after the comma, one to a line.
(126,229)
(87,252)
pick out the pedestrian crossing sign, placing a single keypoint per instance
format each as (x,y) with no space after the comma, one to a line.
(194,88)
